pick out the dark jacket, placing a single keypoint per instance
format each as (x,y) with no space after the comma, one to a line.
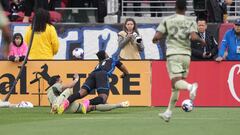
(216,11)
(198,49)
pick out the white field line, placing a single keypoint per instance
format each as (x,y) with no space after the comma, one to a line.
(144,118)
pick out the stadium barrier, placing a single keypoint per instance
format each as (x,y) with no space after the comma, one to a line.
(33,81)
(148,84)
(218,84)
(101,36)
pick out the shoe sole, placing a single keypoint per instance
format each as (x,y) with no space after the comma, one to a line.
(164,118)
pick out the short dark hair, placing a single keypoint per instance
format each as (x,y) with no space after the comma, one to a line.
(201,19)
(181,5)
(52,80)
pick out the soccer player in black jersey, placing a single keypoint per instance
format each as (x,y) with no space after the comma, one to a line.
(99,80)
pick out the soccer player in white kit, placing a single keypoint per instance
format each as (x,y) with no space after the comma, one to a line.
(179,30)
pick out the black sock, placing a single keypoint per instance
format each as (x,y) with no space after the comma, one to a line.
(74,97)
(96,101)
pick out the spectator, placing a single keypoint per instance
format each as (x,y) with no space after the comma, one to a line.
(129,40)
(6,5)
(101,5)
(45,42)
(18,48)
(6,34)
(31,5)
(16,9)
(231,44)
(217,10)
(204,52)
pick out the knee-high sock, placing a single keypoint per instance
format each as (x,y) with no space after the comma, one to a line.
(107,107)
(74,97)
(183,85)
(96,101)
(173,99)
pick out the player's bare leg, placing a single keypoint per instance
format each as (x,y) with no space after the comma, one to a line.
(166,116)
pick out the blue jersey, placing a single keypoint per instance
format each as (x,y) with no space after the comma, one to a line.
(232,44)
(108,65)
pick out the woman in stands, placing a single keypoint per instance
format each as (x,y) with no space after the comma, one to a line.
(45,42)
(129,41)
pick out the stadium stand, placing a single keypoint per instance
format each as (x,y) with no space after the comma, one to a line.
(167,8)
(119,10)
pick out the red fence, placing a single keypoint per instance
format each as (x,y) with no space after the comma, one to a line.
(219,84)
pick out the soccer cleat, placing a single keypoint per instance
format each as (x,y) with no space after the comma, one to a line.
(63,107)
(85,105)
(125,104)
(166,116)
(193,91)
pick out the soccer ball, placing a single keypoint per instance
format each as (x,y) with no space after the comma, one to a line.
(78,53)
(25,104)
(187,105)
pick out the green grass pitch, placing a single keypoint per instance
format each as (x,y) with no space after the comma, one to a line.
(125,121)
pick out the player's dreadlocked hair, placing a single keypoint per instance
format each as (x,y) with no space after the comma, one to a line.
(181,5)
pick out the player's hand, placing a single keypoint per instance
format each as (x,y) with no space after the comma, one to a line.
(76,77)
(130,36)
(123,75)
(16,58)
(203,42)
(209,55)
(219,59)
(204,55)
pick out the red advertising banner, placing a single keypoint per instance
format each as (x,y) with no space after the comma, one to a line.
(219,84)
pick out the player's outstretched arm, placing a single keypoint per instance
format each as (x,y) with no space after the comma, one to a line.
(124,70)
(71,85)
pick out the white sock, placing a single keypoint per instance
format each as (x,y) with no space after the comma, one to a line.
(189,87)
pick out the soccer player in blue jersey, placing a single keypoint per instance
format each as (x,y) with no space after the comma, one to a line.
(99,80)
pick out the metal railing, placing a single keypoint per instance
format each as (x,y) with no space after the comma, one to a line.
(77,14)
(234,9)
(164,8)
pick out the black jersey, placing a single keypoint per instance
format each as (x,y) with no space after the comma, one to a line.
(108,65)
